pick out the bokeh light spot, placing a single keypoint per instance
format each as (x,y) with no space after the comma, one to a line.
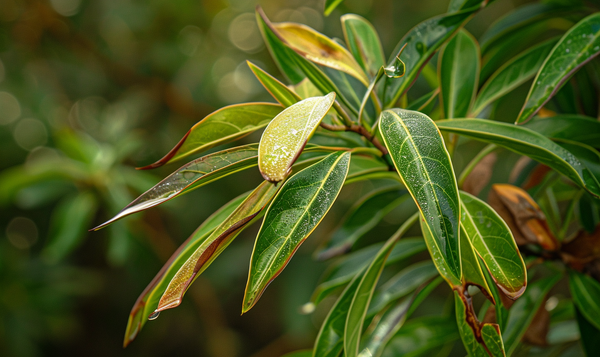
(30,133)
(22,232)
(66,7)
(11,110)
(244,34)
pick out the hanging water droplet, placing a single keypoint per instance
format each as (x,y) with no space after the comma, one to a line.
(154,315)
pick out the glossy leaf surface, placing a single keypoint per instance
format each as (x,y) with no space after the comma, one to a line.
(470,266)
(147,302)
(214,244)
(422,161)
(492,240)
(586,296)
(287,134)
(363,217)
(190,176)
(220,127)
(458,69)
(512,74)
(295,212)
(577,47)
(525,142)
(363,42)
(578,128)
(278,90)
(319,49)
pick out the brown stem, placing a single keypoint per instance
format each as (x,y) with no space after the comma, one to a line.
(364,132)
(331,127)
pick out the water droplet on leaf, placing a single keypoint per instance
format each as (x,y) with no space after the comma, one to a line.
(154,315)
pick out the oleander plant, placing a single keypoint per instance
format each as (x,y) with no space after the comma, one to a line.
(490,164)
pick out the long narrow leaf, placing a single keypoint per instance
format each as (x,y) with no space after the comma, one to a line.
(586,296)
(278,90)
(363,41)
(578,128)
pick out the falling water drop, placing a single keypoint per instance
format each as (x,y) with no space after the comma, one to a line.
(154,315)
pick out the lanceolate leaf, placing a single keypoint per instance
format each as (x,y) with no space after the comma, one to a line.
(578,128)
(278,90)
(512,74)
(190,176)
(287,134)
(586,296)
(525,142)
(363,41)
(147,302)
(472,274)
(319,48)
(365,215)
(214,244)
(222,126)
(422,161)
(577,47)
(296,211)
(492,240)
(458,71)
(330,5)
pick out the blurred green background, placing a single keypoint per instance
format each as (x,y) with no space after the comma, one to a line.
(88,91)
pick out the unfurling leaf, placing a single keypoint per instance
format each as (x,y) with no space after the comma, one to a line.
(577,47)
(214,244)
(285,137)
(363,41)
(423,163)
(222,126)
(295,212)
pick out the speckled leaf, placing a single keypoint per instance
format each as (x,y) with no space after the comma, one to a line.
(363,41)
(363,216)
(319,49)
(577,47)
(190,176)
(586,296)
(222,126)
(512,74)
(525,142)
(458,71)
(578,128)
(423,163)
(147,302)
(287,134)
(278,90)
(295,212)
(214,244)
(492,240)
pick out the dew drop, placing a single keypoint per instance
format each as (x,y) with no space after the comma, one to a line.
(154,315)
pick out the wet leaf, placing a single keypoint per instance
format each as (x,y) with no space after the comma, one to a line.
(512,74)
(319,49)
(147,302)
(577,47)
(278,90)
(423,163)
(210,248)
(458,70)
(287,134)
(578,128)
(525,142)
(363,42)
(586,296)
(296,211)
(363,217)
(222,126)
(491,238)
(471,268)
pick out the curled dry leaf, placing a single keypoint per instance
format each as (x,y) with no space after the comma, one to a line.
(582,250)
(481,175)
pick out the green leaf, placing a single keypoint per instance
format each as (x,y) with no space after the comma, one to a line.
(525,142)
(422,42)
(578,128)
(479,340)
(319,49)
(222,126)
(330,5)
(281,54)
(364,167)
(147,302)
(210,248)
(472,273)
(491,238)
(577,47)
(458,73)
(363,217)
(342,272)
(522,312)
(589,335)
(512,74)
(586,296)
(296,211)
(421,336)
(363,42)
(190,176)
(423,163)
(287,134)
(457,5)
(301,353)
(364,291)
(278,90)
(400,285)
